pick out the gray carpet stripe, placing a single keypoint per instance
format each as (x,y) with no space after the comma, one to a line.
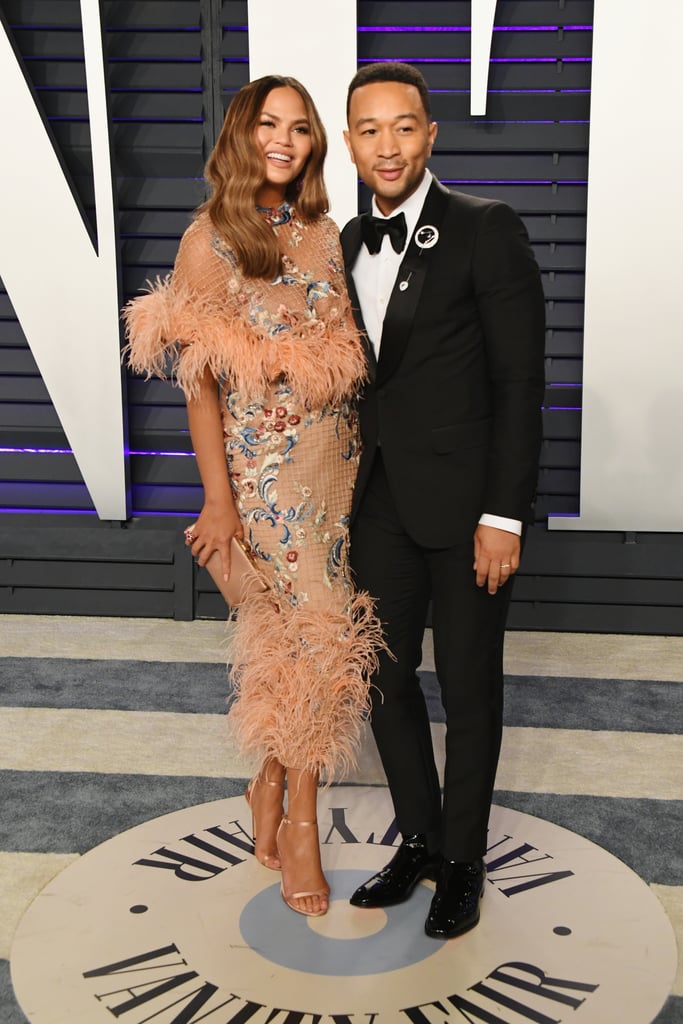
(672,1011)
(638,705)
(629,705)
(619,705)
(183,687)
(79,810)
(644,834)
(613,705)
(76,811)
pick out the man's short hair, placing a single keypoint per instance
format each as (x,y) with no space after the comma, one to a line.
(390,71)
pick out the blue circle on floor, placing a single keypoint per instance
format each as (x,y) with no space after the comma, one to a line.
(278,934)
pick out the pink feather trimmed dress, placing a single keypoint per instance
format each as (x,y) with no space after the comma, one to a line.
(289,362)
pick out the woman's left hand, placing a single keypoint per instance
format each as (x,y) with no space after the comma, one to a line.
(213,531)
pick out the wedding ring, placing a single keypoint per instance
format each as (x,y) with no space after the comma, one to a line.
(190,537)
(505,565)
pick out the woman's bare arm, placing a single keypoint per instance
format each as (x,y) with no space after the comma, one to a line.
(218,520)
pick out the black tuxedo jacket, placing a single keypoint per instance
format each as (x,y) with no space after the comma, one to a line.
(455,398)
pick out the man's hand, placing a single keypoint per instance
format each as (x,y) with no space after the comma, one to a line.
(496,556)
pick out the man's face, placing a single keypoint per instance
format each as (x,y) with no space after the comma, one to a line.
(389,139)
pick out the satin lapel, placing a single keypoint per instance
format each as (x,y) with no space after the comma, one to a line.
(351,243)
(398,319)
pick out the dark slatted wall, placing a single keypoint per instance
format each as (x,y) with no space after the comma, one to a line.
(173,67)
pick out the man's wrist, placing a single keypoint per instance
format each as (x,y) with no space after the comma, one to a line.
(501,523)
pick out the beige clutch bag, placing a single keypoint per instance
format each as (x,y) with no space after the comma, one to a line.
(245,577)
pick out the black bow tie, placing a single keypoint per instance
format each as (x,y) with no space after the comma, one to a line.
(373,230)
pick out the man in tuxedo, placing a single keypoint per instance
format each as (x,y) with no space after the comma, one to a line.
(448,294)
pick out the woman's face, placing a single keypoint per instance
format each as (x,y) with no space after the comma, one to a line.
(283,136)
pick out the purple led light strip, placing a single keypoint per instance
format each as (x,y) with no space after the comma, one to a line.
(89,512)
(148,60)
(450,28)
(68,451)
(510,121)
(448,60)
(513,92)
(513,181)
(50,511)
(466,60)
(466,28)
(36,451)
(131,120)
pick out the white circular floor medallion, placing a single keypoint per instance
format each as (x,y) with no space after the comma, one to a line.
(174,922)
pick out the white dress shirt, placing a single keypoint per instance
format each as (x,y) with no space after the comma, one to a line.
(374,276)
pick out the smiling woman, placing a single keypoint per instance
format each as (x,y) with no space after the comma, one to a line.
(257,323)
(277,113)
(284,136)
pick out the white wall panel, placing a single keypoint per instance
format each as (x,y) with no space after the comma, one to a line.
(64,291)
(632,426)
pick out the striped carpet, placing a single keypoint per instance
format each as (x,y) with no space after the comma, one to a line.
(106,723)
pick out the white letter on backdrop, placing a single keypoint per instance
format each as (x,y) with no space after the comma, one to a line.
(483,13)
(65,293)
(632,425)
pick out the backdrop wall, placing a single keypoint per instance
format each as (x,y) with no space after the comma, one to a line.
(171,68)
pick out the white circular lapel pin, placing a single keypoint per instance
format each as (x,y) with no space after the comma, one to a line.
(426,236)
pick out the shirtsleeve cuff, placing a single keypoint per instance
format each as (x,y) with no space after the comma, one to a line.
(501,523)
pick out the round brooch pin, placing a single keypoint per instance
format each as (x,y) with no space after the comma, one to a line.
(426,237)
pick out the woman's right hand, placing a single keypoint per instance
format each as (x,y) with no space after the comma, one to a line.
(216,526)
(218,520)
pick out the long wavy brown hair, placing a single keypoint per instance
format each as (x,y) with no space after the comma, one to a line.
(236,172)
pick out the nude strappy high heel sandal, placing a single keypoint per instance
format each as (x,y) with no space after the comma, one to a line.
(268,860)
(324,893)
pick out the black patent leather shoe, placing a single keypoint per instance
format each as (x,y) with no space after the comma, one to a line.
(395,882)
(455,905)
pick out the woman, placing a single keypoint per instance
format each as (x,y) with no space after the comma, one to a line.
(257,321)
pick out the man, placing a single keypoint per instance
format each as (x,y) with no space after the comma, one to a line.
(450,298)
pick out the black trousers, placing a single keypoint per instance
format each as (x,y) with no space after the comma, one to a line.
(468,627)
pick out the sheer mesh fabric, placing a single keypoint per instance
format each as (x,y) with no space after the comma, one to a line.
(289,362)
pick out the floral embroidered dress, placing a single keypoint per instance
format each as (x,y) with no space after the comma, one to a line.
(289,362)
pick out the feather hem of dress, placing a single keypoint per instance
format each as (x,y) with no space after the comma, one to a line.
(301,683)
(172,333)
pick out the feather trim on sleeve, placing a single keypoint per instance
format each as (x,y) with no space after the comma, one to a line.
(172,332)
